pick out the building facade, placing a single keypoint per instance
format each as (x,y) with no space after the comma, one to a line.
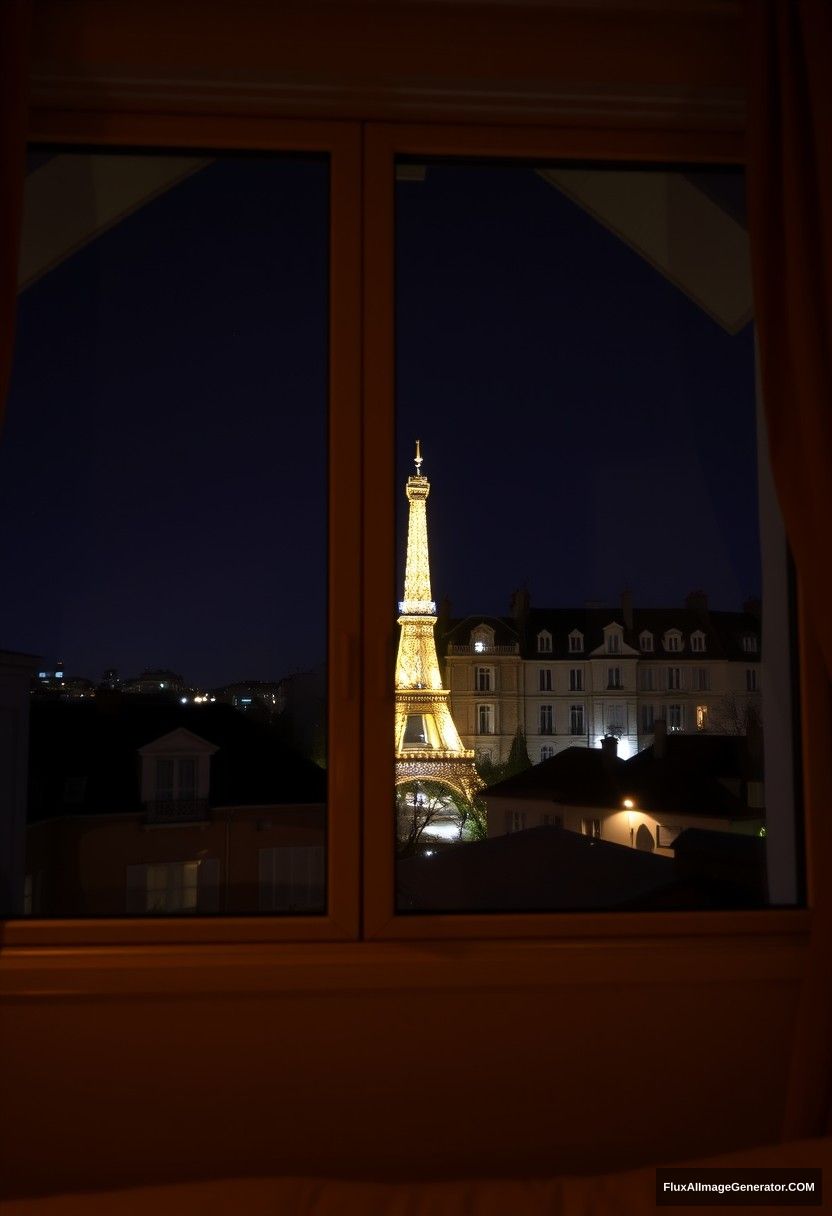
(568,677)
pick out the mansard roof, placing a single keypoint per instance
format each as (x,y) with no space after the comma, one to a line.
(723,631)
(584,776)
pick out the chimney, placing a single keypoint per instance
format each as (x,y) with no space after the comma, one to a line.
(697,601)
(659,739)
(609,747)
(627,607)
(520,601)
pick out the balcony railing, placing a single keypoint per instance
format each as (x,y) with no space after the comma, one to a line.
(514,648)
(177,810)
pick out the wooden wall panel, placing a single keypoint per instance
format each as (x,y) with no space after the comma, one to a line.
(678,63)
(391,1062)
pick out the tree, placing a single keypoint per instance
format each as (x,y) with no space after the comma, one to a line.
(422,804)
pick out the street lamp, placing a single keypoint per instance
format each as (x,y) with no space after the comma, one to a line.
(628,805)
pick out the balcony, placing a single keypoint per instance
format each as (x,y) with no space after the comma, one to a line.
(514,648)
(177,810)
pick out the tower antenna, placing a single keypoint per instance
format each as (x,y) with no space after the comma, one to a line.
(418,460)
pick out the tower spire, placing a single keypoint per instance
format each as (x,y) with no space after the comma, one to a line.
(417,597)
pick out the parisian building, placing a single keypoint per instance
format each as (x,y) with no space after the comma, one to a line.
(569,677)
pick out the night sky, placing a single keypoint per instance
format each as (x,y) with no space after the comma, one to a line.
(162,471)
(584,425)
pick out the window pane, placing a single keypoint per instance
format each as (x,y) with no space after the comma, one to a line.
(163,500)
(575,356)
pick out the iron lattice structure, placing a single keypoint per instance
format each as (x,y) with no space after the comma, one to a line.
(428,746)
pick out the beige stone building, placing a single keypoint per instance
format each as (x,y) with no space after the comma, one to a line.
(570,676)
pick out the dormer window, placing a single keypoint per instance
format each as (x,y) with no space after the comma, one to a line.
(697,642)
(672,640)
(482,639)
(645,641)
(576,642)
(176,777)
(749,643)
(612,639)
(544,642)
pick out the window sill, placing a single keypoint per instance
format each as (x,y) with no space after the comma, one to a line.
(715,947)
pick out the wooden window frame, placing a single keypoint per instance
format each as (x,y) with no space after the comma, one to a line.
(384,143)
(367,912)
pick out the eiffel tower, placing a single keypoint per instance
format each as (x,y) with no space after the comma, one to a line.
(428,746)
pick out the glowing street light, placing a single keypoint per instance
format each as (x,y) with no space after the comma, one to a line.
(629,805)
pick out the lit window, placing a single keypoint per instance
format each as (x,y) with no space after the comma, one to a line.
(545,679)
(546,717)
(701,717)
(173,886)
(482,639)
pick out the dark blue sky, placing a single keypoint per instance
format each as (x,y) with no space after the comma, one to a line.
(162,471)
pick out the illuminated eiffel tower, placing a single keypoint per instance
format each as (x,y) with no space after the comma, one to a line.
(428,746)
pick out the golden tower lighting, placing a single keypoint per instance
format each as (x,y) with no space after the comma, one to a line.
(428,746)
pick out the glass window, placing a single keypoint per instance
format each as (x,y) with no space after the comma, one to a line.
(484,679)
(545,679)
(553,291)
(576,679)
(163,526)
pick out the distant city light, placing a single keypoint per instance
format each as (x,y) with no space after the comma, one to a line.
(59,675)
(184,700)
